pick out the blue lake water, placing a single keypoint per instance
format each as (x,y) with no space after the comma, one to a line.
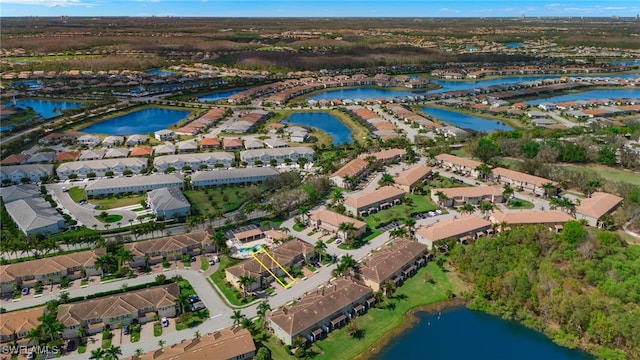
(372,92)
(328,123)
(465,121)
(513,45)
(138,122)
(462,334)
(46,108)
(219,95)
(31,84)
(589,95)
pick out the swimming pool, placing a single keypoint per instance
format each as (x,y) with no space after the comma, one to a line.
(250,250)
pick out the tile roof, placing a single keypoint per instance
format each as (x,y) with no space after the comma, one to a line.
(473,191)
(21,320)
(389,153)
(381,264)
(598,204)
(318,305)
(17,192)
(335,219)
(117,305)
(412,175)
(167,198)
(530,217)
(460,161)
(141,151)
(283,255)
(452,228)
(519,176)
(32,214)
(373,197)
(67,156)
(229,343)
(168,244)
(48,265)
(351,168)
(14,159)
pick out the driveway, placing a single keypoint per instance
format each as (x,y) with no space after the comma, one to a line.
(85,214)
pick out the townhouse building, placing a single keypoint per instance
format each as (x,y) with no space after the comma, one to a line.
(204,179)
(211,160)
(374,201)
(278,154)
(14,174)
(100,167)
(321,311)
(133,184)
(463,229)
(394,262)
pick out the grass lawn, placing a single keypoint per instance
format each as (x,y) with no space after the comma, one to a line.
(232,294)
(111,218)
(157,329)
(191,319)
(445,182)
(114,202)
(519,204)
(82,348)
(224,199)
(204,263)
(400,212)
(77,194)
(135,336)
(377,323)
(607,173)
(298,227)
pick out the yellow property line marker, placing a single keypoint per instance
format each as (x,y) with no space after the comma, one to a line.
(286,286)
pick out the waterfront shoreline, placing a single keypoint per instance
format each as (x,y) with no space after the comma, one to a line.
(409,321)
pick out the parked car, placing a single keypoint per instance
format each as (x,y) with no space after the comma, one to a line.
(24,291)
(64,189)
(71,346)
(125,330)
(193,298)
(165,322)
(193,259)
(439,212)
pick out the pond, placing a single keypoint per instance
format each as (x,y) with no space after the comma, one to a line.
(326,122)
(461,334)
(219,95)
(466,121)
(138,122)
(513,45)
(46,108)
(589,95)
(159,72)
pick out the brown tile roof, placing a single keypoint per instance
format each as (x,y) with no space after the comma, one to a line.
(232,142)
(283,255)
(381,264)
(247,233)
(530,217)
(214,142)
(521,177)
(67,156)
(229,343)
(474,191)
(598,204)
(14,159)
(373,197)
(168,244)
(452,228)
(214,114)
(144,151)
(389,154)
(48,265)
(21,320)
(118,305)
(351,168)
(318,305)
(335,219)
(460,161)
(412,175)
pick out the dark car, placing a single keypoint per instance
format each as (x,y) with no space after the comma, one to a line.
(125,330)
(71,346)
(193,298)
(193,259)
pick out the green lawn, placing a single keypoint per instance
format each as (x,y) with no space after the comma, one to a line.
(377,323)
(519,204)
(204,263)
(445,182)
(400,212)
(606,173)
(114,202)
(232,294)
(77,194)
(224,199)
(111,218)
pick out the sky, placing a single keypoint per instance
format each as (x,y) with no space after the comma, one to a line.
(313,8)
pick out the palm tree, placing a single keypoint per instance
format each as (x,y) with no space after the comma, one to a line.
(182,299)
(161,343)
(337,197)
(397,232)
(548,189)
(507,191)
(237,317)
(346,228)
(196,334)
(245,282)
(410,223)
(486,207)
(97,354)
(123,255)
(263,307)
(105,262)
(592,185)
(467,209)
(385,180)
(320,248)
(348,262)
(219,240)
(112,353)
(138,352)
(303,211)
(483,170)
(442,197)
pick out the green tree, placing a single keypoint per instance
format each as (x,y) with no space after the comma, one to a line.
(97,354)
(386,179)
(237,317)
(263,353)
(112,353)
(320,248)
(246,281)
(486,150)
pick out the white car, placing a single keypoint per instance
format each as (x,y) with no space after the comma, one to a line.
(165,322)
(439,212)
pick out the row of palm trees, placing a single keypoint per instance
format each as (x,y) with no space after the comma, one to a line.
(110,353)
